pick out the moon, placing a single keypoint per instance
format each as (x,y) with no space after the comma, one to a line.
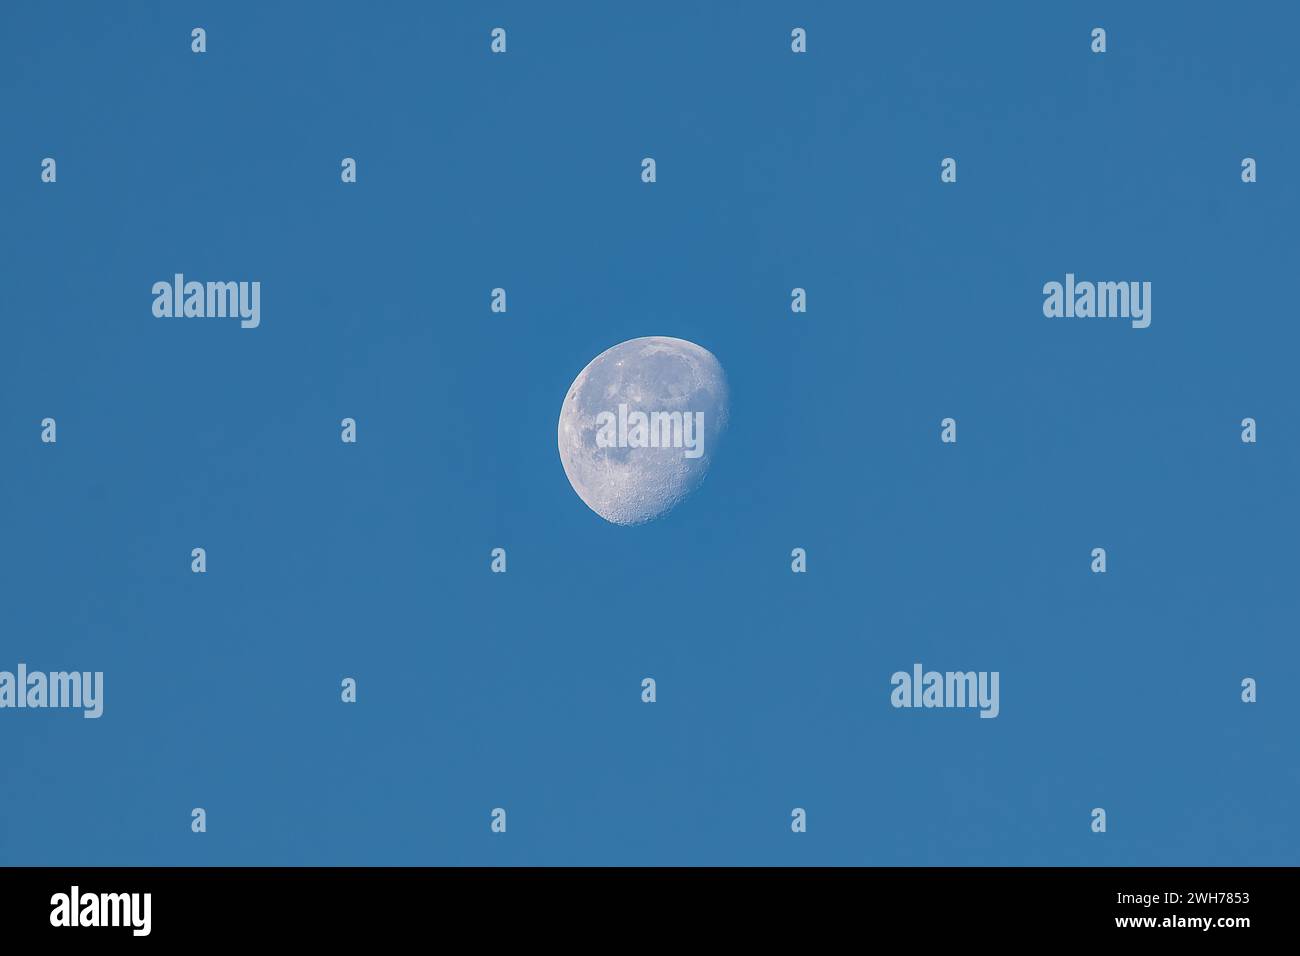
(630,475)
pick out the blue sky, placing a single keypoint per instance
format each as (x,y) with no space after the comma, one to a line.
(522,690)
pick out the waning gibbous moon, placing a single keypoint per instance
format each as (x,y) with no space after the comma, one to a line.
(640,425)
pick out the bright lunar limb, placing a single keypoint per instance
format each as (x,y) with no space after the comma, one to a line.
(640,425)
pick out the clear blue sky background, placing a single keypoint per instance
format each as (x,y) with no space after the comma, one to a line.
(523,691)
